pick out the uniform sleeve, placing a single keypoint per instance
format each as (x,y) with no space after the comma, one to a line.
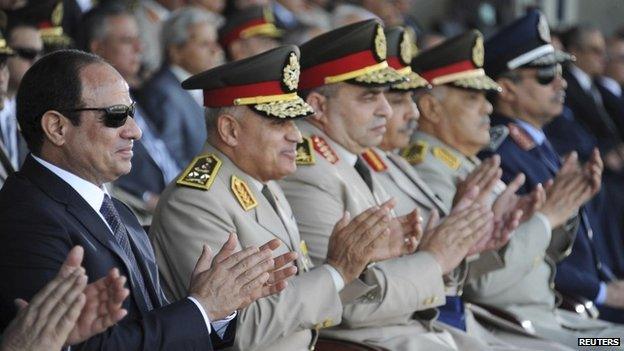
(190,218)
(519,257)
(400,286)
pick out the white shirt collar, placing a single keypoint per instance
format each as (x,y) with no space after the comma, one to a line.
(183,75)
(90,192)
(583,78)
(611,85)
(535,133)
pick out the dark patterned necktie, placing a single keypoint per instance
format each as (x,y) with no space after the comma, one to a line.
(364,172)
(120,234)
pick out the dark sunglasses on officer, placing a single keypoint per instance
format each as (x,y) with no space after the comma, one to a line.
(114,116)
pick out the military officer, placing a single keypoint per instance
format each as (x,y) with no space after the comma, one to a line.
(389,169)
(533,91)
(344,76)
(403,181)
(230,187)
(249,32)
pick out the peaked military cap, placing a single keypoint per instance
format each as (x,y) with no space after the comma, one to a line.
(354,53)
(51,29)
(266,82)
(523,43)
(400,53)
(251,22)
(457,61)
(5,49)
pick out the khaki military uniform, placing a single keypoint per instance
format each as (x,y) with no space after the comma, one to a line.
(399,313)
(524,286)
(214,198)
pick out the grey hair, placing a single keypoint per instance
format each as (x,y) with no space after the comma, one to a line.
(175,29)
(211,116)
(94,24)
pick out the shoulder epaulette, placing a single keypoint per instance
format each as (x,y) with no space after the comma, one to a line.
(201,172)
(242,193)
(521,138)
(374,161)
(498,134)
(415,153)
(447,157)
(305,155)
(323,148)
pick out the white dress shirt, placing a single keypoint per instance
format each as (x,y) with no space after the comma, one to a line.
(94,196)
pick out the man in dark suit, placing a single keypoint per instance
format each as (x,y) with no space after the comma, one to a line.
(533,93)
(191,47)
(73,111)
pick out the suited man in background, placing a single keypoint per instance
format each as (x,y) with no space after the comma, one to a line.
(190,45)
(74,111)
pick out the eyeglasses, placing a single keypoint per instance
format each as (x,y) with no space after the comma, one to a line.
(29,54)
(114,116)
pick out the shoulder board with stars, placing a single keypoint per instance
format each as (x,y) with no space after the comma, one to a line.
(305,155)
(323,148)
(201,172)
(243,193)
(446,157)
(415,153)
(373,160)
(520,137)
(498,134)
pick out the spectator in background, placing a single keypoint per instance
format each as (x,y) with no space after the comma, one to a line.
(150,15)
(26,42)
(249,32)
(112,33)
(190,46)
(214,6)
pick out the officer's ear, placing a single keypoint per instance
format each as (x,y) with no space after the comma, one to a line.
(509,90)
(430,108)
(55,127)
(319,105)
(228,129)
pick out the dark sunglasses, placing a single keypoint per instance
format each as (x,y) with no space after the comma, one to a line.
(28,53)
(114,116)
(546,75)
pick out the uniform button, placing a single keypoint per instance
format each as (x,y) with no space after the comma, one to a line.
(328,323)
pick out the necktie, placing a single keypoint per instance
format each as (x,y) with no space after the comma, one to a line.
(269,196)
(364,172)
(120,234)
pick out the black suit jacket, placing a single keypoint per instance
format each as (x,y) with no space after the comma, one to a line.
(586,111)
(178,119)
(42,218)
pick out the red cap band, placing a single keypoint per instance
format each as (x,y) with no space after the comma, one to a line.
(315,76)
(225,96)
(456,67)
(395,63)
(235,33)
